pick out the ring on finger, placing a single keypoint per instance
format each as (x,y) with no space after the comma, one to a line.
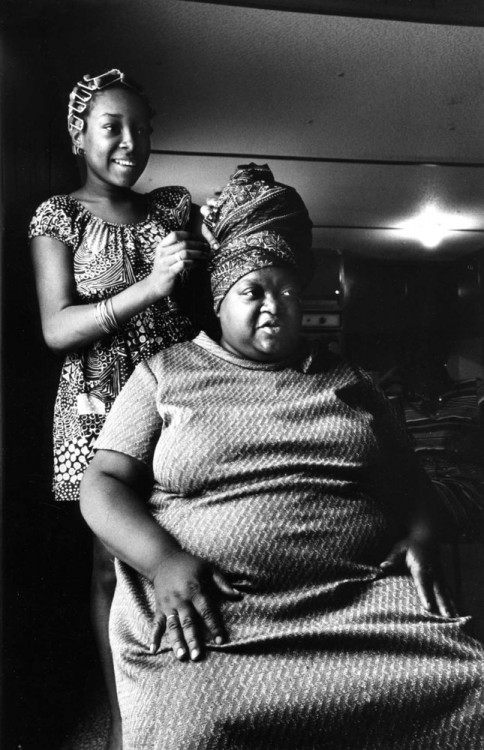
(172,617)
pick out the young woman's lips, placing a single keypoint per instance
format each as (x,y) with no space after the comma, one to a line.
(126,163)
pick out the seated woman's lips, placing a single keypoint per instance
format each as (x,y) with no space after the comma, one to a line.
(272,323)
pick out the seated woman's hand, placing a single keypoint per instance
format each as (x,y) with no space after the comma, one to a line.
(186,588)
(175,253)
(419,556)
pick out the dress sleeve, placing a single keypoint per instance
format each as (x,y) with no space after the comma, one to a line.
(134,423)
(55,218)
(390,422)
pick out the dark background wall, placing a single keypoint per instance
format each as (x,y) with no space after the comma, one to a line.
(46,547)
(48,653)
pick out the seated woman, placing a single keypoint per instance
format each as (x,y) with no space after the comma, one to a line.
(250,489)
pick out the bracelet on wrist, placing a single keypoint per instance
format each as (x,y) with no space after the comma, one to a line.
(105,317)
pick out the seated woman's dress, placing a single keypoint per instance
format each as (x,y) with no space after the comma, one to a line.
(273,473)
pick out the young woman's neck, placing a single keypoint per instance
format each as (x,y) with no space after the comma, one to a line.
(103,192)
(112,203)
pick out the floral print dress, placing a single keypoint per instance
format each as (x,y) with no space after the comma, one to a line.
(107,258)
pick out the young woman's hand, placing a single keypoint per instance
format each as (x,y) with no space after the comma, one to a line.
(420,557)
(206,232)
(186,590)
(177,252)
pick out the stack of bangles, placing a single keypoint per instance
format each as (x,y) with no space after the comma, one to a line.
(105,317)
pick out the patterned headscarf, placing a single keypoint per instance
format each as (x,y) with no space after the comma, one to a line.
(258,223)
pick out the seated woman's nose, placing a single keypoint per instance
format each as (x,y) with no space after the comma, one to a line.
(270,303)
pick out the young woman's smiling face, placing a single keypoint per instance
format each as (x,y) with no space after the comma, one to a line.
(260,315)
(116,138)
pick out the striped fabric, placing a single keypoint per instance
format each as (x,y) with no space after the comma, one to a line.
(449,438)
(451,424)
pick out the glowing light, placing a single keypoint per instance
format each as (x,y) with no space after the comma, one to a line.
(430,227)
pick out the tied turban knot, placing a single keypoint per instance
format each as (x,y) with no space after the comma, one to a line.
(258,223)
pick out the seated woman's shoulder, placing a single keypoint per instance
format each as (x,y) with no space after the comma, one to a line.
(319,356)
(174,356)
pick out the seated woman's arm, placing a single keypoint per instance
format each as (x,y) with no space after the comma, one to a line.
(113,503)
(113,493)
(415,501)
(418,551)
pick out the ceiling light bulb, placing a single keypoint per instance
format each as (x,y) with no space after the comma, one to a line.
(429,234)
(429,228)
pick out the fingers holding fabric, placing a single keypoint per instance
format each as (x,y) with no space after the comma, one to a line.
(183,634)
(186,592)
(186,628)
(157,631)
(224,587)
(395,561)
(429,580)
(176,253)
(421,560)
(210,237)
(183,248)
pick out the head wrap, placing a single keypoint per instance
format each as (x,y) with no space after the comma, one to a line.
(83,92)
(258,223)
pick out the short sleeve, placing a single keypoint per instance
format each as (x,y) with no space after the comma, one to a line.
(389,419)
(55,218)
(134,424)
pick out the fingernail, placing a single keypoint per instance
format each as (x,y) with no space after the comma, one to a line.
(195,653)
(180,653)
(219,640)
(153,648)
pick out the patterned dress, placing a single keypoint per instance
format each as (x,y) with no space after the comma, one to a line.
(107,258)
(273,473)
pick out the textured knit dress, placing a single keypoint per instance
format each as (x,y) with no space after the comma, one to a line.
(107,258)
(272,473)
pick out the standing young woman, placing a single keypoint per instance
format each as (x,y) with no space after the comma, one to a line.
(106,262)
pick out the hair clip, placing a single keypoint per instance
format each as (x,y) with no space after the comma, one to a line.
(76,122)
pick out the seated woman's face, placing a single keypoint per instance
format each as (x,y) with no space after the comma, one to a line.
(260,315)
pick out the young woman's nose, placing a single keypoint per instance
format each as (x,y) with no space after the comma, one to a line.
(127,139)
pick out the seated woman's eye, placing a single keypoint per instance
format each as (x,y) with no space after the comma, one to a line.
(251,292)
